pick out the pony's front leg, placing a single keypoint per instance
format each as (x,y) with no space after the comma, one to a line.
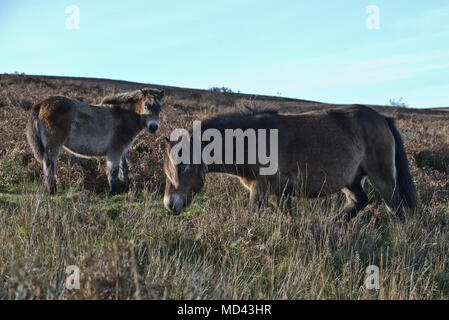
(258,197)
(123,174)
(284,202)
(112,169)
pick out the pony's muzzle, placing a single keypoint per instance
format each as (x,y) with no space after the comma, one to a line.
(173,204)
(152,126)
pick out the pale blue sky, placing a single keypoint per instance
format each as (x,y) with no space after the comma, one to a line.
(316,50)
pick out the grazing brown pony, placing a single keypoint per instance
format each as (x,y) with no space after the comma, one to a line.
(89,131)
(319,153)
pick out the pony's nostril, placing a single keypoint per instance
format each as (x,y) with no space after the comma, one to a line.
(171,205)
(153,127)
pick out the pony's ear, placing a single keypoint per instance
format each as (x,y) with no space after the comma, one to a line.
(160,95)
(144,92)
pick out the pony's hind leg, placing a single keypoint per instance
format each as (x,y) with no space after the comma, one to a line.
(123,174)
(356,200)
(388,190)
(382,175)
(49,164)
(112,170)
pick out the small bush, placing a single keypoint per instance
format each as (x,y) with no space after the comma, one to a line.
(432,159)
(400,103)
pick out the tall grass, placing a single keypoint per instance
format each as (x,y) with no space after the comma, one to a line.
(128,247)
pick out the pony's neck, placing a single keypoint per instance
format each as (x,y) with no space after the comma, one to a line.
(238,170)
(130,106)
(219,168)
(132,117)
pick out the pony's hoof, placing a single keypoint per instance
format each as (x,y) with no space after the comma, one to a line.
(52,190)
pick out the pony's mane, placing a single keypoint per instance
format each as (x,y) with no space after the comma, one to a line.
(252,109)
(242,113)
(123,97)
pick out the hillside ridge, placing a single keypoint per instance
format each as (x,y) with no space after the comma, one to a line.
(285,104)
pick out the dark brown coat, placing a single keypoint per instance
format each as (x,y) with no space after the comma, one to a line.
(320,153)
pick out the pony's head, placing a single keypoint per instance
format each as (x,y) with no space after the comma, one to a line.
(150,105)
(183,182)
(147,102)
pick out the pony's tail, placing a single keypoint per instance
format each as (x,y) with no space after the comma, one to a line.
(404,179)
(33,133)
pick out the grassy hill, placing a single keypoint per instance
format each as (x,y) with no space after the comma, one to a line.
(128,247)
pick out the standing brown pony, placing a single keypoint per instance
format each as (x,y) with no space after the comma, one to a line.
(319,153)
(88,131)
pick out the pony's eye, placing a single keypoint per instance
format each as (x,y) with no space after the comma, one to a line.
(183,168)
